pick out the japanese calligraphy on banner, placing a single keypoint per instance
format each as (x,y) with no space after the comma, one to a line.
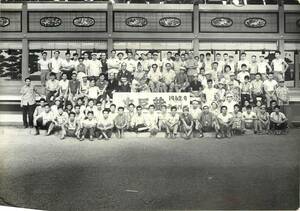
(157,99)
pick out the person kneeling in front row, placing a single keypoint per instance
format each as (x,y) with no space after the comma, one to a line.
(278,121)
(88,126)
(225,123)
(172,123)
(207,122)
(44,120)
(105,125)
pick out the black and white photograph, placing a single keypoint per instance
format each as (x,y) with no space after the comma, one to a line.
(149,105)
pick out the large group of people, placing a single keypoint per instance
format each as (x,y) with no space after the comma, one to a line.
(228,97)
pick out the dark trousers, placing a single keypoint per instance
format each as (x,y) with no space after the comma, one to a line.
(107,132)
(255,96)
(28,111)
(245,97)
(88,131)
(49,95)
(40,125)
(275,126)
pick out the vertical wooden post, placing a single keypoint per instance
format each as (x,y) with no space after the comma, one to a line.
(195,41)
(110,43)
(297,70)
(25,44)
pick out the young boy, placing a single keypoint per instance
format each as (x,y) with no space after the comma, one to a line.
(162,118)
(120,121)
(93,92)
(105,125)
(278,121)
(250,119)
(52,87)
(59,122)
(270,86)
(152,121)
(44,120)
(263,120)
(207,121)
(237,121)
(225,123)
(241,75)
(139,123)
(88,126)
(187,123)
(245,90)
(282,93)
(172,123)
(71,128)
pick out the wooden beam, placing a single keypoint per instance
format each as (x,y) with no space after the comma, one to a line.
(196,30)
(25,45)
(110,42)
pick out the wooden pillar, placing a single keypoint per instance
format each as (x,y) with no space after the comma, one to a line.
(297,70)
(195,41)
(110,43)
(280,42)
(25,44)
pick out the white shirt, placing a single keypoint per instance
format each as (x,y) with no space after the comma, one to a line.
(113,65)
(270,86)
(221,65)
(230,106)
(131,65)
(93,92)
(165,61)
(241,76)
(249,117)
(64,84)
(210,94)
(195,113)
(262,67)
(154,76)
(278,65)
(67,64)
(95,68)
(56,64)
(278,117)
(169,76)
(225,118)
(239,64)
(152,120)
(44,64)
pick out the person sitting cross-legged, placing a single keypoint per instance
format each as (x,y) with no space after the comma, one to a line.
(105,125)
(187,123)
(278,121)
(237,121)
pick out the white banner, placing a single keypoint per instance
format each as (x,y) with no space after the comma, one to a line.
(157,99)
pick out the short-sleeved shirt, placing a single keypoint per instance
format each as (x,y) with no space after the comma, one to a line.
(270,86)
(44,64)
(278,117)
(95,68)
(93,92)
(52,85)
(225,118)
(63,84)
(89,123)
(169,76)
(249,117)
(241,76)
(131,65)
(173,119)
(195,113)
(278,65)
(61,119)
(262,67)
(257,86)
(28,95)
(56,64)
(187,118)
(154,76)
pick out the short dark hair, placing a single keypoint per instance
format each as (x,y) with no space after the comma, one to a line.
(246,77)
(57,51)
(243,65)
(223,107)
(173,107)
(27,79)
(52,74)
(207,54)
(277,106)
(72,113)
(43,99)
(278,52)
(248,107)
(44,53)
(139,107)
(131,104)
(154,65)
(113,105)
(236,105)
(90,112)
(106,110)
(151,106)
(120,108)
(209,80)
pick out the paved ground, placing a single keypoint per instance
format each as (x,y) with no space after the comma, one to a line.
(253,172)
